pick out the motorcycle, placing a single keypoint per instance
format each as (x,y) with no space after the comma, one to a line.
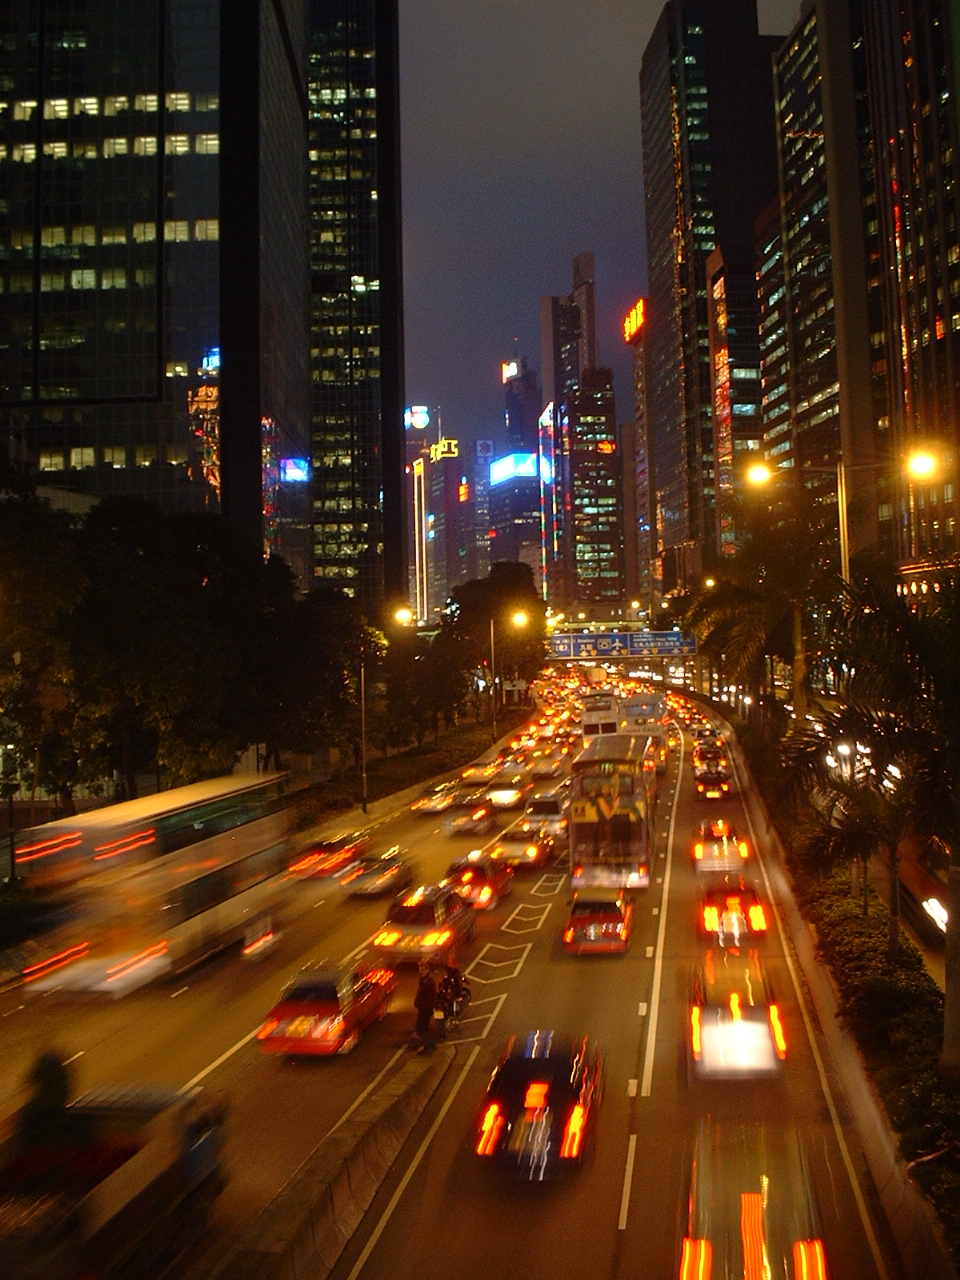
(453,999)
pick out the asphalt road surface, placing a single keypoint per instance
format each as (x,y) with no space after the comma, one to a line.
(440,1214)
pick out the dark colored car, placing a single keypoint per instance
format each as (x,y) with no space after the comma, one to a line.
(718,846)
(713,783)
(539,1114)
(328,857)
(732,913)
(475,822)
(480,879)
(325,1008)
(375,874)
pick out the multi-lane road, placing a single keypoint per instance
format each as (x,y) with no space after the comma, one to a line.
(439,1214)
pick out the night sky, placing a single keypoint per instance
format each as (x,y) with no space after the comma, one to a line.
(521,148)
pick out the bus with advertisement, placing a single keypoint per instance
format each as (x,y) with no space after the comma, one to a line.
(612,811)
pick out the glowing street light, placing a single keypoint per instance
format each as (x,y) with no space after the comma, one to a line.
(519,619)
(404,616)
(922,465)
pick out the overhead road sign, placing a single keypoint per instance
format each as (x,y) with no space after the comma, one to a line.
(622,644)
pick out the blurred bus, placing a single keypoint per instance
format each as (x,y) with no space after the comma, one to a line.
(612,807)
(599,715)
(153,885)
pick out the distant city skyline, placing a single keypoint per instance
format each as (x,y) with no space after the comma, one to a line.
(508,175)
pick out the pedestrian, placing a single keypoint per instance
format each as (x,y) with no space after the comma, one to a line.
(425,1002)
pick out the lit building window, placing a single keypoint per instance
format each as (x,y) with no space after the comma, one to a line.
(83,235)
(58,150)
(146,455)
(207,102)
(115,455)
(113,278)
(115,104)
(115,147)
(83,279)
(146,102)
(175,369)
(177,144)
(144,231)
(145,277)
(113,235)
(86,106)
(145,146)
(26,153)
(53,235)
(208,144)
(176,230)
(80,459)
(51,461)
(23,110)
(51,282)
(206,229)
(56,109)
(178,101)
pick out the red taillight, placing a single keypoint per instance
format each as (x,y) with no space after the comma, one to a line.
(491,1127)
(695,1031)
(742,847)
(268,1028)
(568,935)
(696,1260)
(711,919)
(466,876)
(752,1236)
(808,1260)
(699,786)
(573,1134)
(484,896)
(758,919)
(724,786)
(698,848)
(776,1027)
(387,938)
(536,1096)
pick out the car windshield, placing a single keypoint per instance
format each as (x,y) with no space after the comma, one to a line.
(414,913)
(549,808)
(596,909)
(320,990)
(514,1080)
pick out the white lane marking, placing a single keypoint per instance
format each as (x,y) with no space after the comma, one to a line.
(659,879)
(16,1010)
(642,1011)
(627,1182)
(656,911)
(180,992)
(514,964)
(631,1088)
(542,888)
(360,1097)
(75,1057)
(649,953)
(352,955)
(649,1050)
(319,903)
(490,1018)
(202,1075)
(525,918)
(378,1230)
(821,1071)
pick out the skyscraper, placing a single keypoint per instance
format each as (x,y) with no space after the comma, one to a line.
(595,551)
(153,327)
(357,310)
(709,166)
(522,405)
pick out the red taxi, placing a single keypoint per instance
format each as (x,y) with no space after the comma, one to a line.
(325,1008)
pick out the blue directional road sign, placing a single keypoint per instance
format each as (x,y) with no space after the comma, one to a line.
(622,644)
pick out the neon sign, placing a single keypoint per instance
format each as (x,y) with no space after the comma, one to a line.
(444,449)
(633,322)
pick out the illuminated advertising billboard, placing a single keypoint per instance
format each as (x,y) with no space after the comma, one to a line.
(509,369)
(633,321)
(417,417)
(294,470)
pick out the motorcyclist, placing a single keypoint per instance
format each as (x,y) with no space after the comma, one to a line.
(453,989)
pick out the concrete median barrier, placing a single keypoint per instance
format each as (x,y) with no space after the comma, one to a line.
(303,1231)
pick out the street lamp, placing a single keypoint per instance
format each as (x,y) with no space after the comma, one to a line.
(404,616)
(519,619)
(363,733)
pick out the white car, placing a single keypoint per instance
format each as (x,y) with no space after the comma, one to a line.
(546,812)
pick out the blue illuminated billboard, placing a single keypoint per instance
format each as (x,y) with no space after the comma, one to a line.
(514,466)
(294,470)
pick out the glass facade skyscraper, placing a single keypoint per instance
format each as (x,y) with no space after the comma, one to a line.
(357,319)
(112,161)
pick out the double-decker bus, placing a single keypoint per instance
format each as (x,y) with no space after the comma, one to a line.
(598,716)
(613,799)
(153,885)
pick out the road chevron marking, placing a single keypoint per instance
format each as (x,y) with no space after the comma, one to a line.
(515,965)
(519,922)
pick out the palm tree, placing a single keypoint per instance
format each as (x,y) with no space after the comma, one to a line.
(903,657)
(767,595)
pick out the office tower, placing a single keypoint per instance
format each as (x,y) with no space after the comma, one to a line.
(595,552)
(772,301)
(522,404)
(360,537)
(732,325)
(482,456)
(416,424)
(514,506)
(639,468)
(153,326)
(910,54)
(709,164)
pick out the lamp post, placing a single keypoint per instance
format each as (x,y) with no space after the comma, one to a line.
(519,619)
(363,733)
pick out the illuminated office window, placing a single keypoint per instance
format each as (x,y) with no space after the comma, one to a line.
(145,146)
(177,144)
(206,229)
(178,101)
(115,456)
(115,147)
(115,104)
(23,110)
(51,461)
(58,150)
(83,279)
(113,235)
(80,459)
(144,231)
(83,235)
(56,109)
(207,102)
(208,144)
(146,455)
(176,230)
(86,106)
(113,278)
(146,102)
(53,235)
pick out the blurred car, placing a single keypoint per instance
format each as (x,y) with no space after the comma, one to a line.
(538,1117)
(718,847)
(705,732)
(735,1026)
(509,790)
(708,757)
(519,848)
(325,1008)
(479,772)
(599,922)
(475,823)
(547,813)
(437,799)
(713,783)
(732,914)
(548,765)
(751,1209)
(378,873)
(482,880)
(430,923)
(328,857)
